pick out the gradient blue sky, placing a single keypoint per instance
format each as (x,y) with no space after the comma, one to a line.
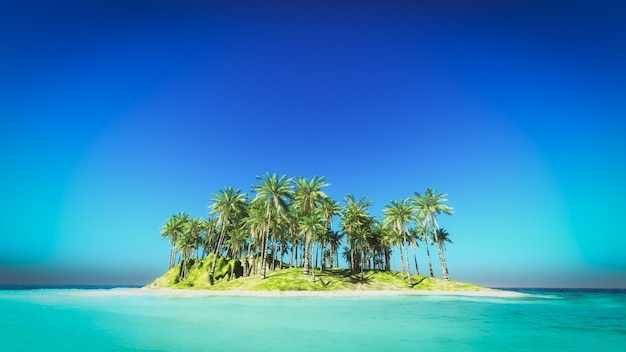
(114,114)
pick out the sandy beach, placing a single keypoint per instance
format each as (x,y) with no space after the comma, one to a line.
(340,293)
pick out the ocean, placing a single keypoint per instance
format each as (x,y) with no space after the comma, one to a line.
(97,319)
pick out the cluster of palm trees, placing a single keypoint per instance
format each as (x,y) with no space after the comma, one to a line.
(293,218)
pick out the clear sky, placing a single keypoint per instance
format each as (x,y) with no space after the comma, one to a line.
(115,114)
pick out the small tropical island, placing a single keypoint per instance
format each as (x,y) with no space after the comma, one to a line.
(281,239)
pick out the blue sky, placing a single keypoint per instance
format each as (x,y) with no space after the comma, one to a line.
(113,115)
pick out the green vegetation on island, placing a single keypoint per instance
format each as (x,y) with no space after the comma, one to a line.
(295,280)
(284,231)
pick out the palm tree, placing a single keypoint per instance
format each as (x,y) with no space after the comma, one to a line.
(413,239)
(428,205)
(236,243)
(209,240)
(361,240)
(173,228)
(273,192)
(255,223)
(307,196)
(334,242)
(422,233)
(394,239)
(194,227)
(293,233)
(356,223)
(398,216)
(381,248)
(328,208)
(310,227)
(185,243)
(440,237)
(282,237)
(226,204)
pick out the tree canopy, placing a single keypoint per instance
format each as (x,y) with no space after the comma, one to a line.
(289,222)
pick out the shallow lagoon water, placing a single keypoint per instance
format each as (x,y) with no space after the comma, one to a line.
(102,320)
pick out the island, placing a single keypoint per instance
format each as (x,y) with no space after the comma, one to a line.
(281,239)
(292,282)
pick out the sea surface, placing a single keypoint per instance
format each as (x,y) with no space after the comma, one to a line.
(97,319)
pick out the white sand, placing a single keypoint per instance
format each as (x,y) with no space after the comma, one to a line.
(340,293)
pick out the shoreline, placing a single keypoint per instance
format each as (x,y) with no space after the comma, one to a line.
(340,293)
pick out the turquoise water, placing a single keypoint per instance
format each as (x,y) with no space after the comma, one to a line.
(101,320)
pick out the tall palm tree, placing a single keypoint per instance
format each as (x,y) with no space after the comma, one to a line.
(185,243)
(334,243)
(293,233)
(256,225)
(356,223)
(394,239)
(282,237)
(428,206)
(310,227)
(273,192)
(378,242)
(422,233)
(328,208)
(209,240)
(307,196)
(440,237)
(173,228)
(226,204)
(398,215)
(361,241)
(413,243)
(194,227)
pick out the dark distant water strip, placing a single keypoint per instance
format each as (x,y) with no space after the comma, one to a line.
(64,287)
(539,290)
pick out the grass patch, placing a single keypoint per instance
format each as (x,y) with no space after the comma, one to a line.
(294,280)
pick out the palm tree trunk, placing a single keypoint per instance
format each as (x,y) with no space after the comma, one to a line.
(362,263)
(445,262)
(183,270)
(306,258)
(313,269)
(323,265)
(297,258)
(352,257)
(232,268)
(263,256)
(417,269)
(219,245)
(408,264)
(172,257)
(387,254)
(274,243)
(245,260)
(402,262)
(282,253)
(267,237)
(430,265)
(442,261)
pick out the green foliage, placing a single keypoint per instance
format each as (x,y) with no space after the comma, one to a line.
(295,280)
(197,273)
